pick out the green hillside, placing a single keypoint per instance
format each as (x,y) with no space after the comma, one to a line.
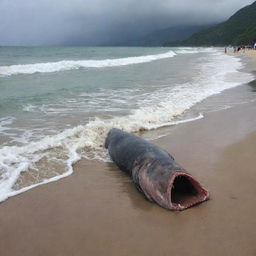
(163,36)
(238,29)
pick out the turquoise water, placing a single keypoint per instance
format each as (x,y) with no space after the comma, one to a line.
(57,104)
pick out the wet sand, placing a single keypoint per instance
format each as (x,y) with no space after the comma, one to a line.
(98,211)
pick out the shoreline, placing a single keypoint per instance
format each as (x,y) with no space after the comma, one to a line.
(65,124)
(98,211)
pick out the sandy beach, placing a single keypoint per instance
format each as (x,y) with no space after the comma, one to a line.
(80,80)
(249,53)
(98,211)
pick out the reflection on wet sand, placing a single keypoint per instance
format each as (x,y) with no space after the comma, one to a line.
(98,210)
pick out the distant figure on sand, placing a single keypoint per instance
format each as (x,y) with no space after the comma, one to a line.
(254,46)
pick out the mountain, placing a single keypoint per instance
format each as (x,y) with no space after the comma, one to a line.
(164,36)
(238,29)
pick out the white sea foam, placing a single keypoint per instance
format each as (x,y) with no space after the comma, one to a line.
(192,50)
(4,122)
(72,64)
(64,149)
(29,108)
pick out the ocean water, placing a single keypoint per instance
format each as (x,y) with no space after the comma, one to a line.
(58,104)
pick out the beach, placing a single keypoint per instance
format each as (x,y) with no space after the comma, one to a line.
(60,194)
(126,136)
(247,52)
(127,129)
(98,211)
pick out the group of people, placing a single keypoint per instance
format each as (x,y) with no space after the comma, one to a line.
(242,47)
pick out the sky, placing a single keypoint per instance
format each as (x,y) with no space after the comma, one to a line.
(95,22)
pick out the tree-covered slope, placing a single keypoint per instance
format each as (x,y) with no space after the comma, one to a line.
(238,29)
(163,36)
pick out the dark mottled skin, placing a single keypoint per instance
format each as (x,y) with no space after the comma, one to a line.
(150,167)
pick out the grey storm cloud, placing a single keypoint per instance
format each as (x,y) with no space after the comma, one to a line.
(54,22)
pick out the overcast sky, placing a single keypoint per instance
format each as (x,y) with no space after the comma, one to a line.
(58,22)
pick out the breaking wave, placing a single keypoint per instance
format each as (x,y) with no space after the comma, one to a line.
(52,157)
(78,64)
(193,50)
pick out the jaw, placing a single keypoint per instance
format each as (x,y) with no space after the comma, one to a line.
(184,191)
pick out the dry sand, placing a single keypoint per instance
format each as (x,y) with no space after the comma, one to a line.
(98,211)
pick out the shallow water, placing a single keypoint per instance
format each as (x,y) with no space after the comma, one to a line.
(57,104)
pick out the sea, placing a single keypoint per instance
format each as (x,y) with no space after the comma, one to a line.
(57,104)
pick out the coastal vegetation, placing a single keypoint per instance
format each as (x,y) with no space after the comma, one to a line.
(239,29)
(165,36)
